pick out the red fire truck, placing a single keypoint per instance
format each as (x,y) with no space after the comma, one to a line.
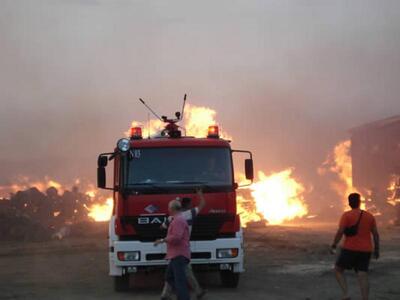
(150,172)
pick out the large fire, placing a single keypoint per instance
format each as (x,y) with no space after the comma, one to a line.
(277,198)
(273,198)
(342,166)
(339,162)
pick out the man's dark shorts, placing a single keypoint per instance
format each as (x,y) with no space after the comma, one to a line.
(357,260)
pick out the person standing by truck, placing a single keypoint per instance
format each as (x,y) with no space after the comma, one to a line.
(357,225)
(189,213)
(178,251)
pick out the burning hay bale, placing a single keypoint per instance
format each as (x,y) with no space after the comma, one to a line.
(50,208)
(34,215)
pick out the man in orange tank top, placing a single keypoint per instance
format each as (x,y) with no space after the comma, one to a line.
(357,225)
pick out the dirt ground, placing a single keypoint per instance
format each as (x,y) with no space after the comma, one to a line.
(288,262)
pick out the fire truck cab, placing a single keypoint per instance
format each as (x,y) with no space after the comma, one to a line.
(148,174)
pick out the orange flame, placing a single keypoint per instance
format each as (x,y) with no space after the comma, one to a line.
(91,193)
(151,128)
(101,212)
(339,162)
(247,210)
(394,191)
(277,198)
(343,168)
(24,183)
(198,118)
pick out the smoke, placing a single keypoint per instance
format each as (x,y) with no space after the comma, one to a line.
(287,78)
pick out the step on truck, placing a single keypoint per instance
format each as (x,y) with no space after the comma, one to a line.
(147,174)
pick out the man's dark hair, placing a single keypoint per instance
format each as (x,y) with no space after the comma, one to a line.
(354,200)
(186,202)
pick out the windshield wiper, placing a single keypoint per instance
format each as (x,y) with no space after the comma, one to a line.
(186,182)
(146,184)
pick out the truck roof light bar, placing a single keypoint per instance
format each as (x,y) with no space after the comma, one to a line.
(213,132)
(136,133)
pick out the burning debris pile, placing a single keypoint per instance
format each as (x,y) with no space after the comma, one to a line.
(38,213)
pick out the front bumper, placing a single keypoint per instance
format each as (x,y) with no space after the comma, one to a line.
(203,253)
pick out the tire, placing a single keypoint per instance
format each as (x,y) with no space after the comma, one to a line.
(229,279)
(121,283)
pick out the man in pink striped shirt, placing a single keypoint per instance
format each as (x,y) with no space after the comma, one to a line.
(178,251)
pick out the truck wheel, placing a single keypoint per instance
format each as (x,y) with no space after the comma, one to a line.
(229,279)
(121,283)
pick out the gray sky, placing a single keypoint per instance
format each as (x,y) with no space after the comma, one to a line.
(288,78)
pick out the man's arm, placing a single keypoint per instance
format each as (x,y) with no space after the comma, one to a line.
(202,203)
(375,234)
(339,232)
(166,223)
(338,237)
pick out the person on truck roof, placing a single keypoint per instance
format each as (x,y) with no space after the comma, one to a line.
(189,213)
(178,251)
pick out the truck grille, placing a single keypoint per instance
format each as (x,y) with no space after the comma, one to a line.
(205,227)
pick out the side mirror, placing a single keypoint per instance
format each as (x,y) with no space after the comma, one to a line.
(101,177)
(249,169)
(102,161)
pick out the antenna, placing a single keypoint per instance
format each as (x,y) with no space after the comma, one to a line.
(148,124)
(183,107)
(149,108)
(171,127)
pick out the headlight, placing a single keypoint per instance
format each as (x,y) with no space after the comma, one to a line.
(227,253)
(123,145)
(129,256)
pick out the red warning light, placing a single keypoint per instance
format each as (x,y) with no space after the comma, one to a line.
(136,133)
(213,131)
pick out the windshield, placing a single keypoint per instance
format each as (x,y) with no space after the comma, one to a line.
(180,166)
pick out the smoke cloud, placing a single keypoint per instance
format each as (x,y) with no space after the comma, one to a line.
(287,78)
